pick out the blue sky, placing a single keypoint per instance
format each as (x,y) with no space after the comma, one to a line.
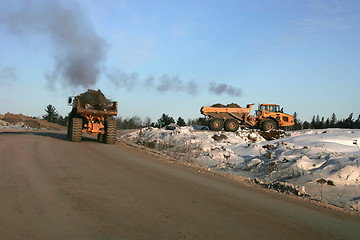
(164,57)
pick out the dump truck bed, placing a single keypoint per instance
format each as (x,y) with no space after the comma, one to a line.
(110,110)
(227,112)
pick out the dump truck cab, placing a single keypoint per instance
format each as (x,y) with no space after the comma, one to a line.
(271,116)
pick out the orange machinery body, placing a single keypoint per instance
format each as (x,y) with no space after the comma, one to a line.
(264,112)
(241,114)
(273,111)
(93,120)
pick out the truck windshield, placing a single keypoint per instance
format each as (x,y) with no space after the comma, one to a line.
(270,108)
(274,108)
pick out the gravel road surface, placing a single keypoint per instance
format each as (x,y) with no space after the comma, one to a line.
(51,188)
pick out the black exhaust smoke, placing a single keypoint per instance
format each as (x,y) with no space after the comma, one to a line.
(79,51)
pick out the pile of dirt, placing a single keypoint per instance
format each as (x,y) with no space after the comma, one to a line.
(273,134)
(20,120)
(231,105)
(95,100)
(219,137)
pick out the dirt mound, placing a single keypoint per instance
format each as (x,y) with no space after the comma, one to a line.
(94,100)
(4,123)
(231,105)
(273,134)
(23,121)
(217,105)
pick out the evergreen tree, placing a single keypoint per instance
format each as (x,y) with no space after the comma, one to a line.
(313,123)
(321,123)
(306,125)
(349,123)
(51,115)
(357,122)
(332,120)
(166,119)
(297,122)
(327,123)
(317,122)
(181,122)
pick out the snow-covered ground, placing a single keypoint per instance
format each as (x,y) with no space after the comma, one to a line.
(320,164)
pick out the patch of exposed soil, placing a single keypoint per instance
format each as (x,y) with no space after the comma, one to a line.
(20,120)
(219,137)
(95,100)
(273,134)
(231,105)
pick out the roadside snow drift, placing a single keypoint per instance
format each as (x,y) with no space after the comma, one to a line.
(322,164)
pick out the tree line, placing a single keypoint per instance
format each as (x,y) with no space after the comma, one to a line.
(317,122)
(164,120)
(51,115)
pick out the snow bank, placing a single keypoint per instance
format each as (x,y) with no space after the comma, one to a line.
(324,163)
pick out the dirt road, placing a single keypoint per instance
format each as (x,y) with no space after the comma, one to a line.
(51,188)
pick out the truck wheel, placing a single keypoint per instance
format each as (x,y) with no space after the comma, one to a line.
(68,136)
(216,124)
(269,125)
(76,129)
(110,131)
(231,125)
(100,138)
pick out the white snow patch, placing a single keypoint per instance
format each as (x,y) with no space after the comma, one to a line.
(297,160)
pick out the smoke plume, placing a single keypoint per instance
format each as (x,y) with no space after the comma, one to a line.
(163,84)
(79,51)
(223,88)
(167,84)
(122,79)
(8,74)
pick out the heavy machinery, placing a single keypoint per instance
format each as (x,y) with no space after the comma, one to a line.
(232,116)
(92,113)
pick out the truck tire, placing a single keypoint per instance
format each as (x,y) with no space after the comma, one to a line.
(216,124)
(76,129)
(269,125)
(100,138)
(231,125)
(110,131)
(68,136)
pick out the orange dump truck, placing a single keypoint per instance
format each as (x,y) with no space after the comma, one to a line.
(232,116)
(92,113)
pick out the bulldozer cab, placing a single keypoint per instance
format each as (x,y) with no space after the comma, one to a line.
(266,110)
(269,108)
